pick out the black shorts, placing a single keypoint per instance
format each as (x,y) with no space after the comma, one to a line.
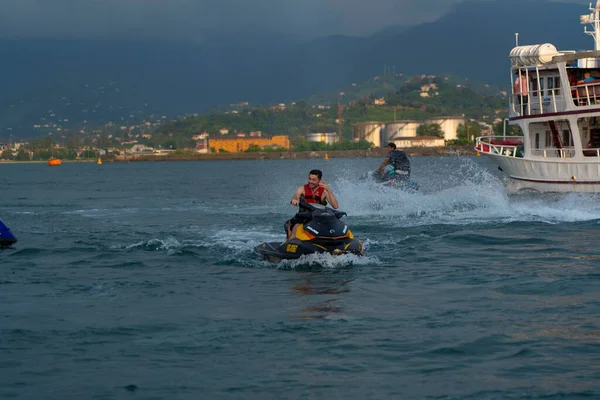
(293,221)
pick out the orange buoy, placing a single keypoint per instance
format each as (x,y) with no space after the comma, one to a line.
(53,162)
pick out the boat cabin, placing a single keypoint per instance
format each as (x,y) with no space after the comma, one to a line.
(544,93)
(556,139)
(555,102)
(556,96)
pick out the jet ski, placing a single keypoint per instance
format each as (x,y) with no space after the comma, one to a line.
(395,178)
(7,239)
(323,232)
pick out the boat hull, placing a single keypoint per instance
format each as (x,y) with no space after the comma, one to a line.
(546,176)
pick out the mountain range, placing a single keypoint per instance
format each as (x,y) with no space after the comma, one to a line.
(48,81)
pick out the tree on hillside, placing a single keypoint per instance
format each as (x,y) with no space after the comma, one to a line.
(42,143)
(301,144)
(73,142)
(103,142)
(511,130)
(466,133)
(352,145)
(22,155)
(301,110)
(7,155)
(430,130)
(178,142)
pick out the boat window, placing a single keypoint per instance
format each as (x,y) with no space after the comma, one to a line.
(552,139)
(534,88)
(595,138)
(541,87)
(548,138)
(567,141)
(590,138)
(553,85)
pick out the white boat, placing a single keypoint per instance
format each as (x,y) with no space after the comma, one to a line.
(559,118)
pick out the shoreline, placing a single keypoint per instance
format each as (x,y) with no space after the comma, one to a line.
(288,155)
(284,155)
(46,161)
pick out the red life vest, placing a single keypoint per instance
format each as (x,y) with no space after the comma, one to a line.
(313,197)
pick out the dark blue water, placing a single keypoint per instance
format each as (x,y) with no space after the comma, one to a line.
(139,281)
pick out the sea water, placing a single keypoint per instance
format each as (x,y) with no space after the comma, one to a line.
(139,281)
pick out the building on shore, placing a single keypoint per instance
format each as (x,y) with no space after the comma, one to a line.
(140,149)
(381,133)
(240,144)
(419,141)
(201,143)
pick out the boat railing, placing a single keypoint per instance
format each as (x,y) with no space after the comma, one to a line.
(552,152)
(545,101)
(537,102)
(512,146)
(509,146)
(586,93)
(591,152)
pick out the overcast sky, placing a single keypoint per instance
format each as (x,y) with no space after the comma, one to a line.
(195,19)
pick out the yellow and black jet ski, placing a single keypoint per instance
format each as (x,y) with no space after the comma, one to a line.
(322,232)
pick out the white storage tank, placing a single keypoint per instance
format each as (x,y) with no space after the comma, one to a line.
(449,125)
(535,54)
(403,128)
(327,137)
(369,131)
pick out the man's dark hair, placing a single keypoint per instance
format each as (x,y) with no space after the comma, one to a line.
(392,145)
(316,172)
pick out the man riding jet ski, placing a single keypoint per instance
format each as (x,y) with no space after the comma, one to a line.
(395,179)
(320,231)
(7,239)
(394,171)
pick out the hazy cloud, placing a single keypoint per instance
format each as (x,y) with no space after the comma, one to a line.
(195,19)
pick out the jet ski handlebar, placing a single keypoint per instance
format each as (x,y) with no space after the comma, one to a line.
(304,215)
(339,214)
(312,207)
(308,206)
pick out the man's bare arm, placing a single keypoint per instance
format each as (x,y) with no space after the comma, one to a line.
(329,196)
(296,197)
(383,164)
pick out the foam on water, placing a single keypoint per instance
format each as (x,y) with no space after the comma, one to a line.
(327,261)
(237,246)
(169,243)
(104,212)
(468,195)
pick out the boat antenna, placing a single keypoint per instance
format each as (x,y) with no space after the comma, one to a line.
(593,19)
(517,38)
